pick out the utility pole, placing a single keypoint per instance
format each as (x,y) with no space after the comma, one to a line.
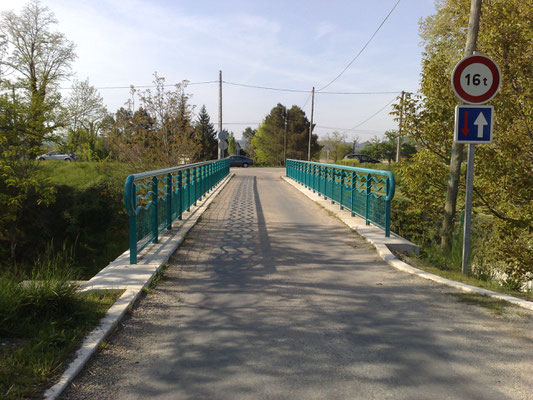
(471,41)
(399,144)
(311,124)
(220,151)
(285,138)
(457,157)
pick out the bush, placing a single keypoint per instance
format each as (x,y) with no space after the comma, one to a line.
(87,214)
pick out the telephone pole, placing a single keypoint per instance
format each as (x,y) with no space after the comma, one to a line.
(457,151)
(285,138)
(399,144)
(471,41)
(220,151)
(311,124)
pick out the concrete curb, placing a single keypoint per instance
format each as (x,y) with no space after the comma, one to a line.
(377,238)
(119,274)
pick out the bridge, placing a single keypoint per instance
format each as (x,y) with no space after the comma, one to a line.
(270,297)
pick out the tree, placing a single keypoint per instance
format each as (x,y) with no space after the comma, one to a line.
(205,137)
(85,107)
(385,149)
(502,187)
(160,133)
(268,142)
(335,145)
(248,135)
(232,145)
(40,59)
(19,175)
(86,116)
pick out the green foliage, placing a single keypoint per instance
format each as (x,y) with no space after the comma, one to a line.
(386,148)
(335,145)
(87,117)
(19,177)
(86,213)
(37,58)
(268,142)
(159,134)
(232,148)
(41,323)
(503,185)
(247,135)
(205,137)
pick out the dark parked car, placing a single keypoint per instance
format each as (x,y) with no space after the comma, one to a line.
(362,158)
(57,155)
(240,161)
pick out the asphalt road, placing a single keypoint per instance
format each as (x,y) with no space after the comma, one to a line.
(272,298)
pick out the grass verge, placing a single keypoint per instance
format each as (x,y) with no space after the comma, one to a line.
(41,324)
(454,273)
(494,305)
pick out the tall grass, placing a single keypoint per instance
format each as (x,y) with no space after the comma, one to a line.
(41,322)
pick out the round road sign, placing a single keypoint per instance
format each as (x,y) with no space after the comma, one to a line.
(222,145)
(223,135)
(476,79)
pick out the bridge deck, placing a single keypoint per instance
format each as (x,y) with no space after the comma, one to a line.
(272,298)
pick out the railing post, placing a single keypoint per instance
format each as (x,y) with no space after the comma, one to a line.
(342,190)
(321,181)
(368,192)
(332,197)
(313,169)
(133,239)
(325,183)
(169,201)
(203,174)
(387,210)
(155,201)
(180,194)
(188,183)
(195,180)
(352,199)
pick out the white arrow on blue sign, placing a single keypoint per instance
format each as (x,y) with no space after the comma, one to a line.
(473,124)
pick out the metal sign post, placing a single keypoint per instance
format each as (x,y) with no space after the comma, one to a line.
(475,80)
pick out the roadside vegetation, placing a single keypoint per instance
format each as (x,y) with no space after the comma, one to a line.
(61,221)
(41,324)
(503,187)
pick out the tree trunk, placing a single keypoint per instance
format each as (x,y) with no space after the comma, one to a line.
(457,151)
(451,196)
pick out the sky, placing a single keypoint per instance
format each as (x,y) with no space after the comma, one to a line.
(289,44)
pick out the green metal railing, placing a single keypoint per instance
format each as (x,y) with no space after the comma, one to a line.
(365,192)
(154,199)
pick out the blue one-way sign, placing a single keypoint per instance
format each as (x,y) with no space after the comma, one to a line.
(473,124)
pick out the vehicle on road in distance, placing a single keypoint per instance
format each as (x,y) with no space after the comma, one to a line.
(362,158)
(240,161)
(57,155)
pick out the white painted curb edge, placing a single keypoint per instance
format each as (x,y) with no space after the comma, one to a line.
(390,259)
(117,311)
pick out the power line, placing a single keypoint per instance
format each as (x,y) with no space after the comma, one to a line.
(308,97)
(234,84)
(266,87)
(392,92)
(372,116)
(242,123)
(306,91)
(144,86)
(363,48)
(345,129)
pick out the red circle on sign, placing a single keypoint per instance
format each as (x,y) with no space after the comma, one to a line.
(456,79)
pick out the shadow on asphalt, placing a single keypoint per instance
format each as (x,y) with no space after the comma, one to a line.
(307,322)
